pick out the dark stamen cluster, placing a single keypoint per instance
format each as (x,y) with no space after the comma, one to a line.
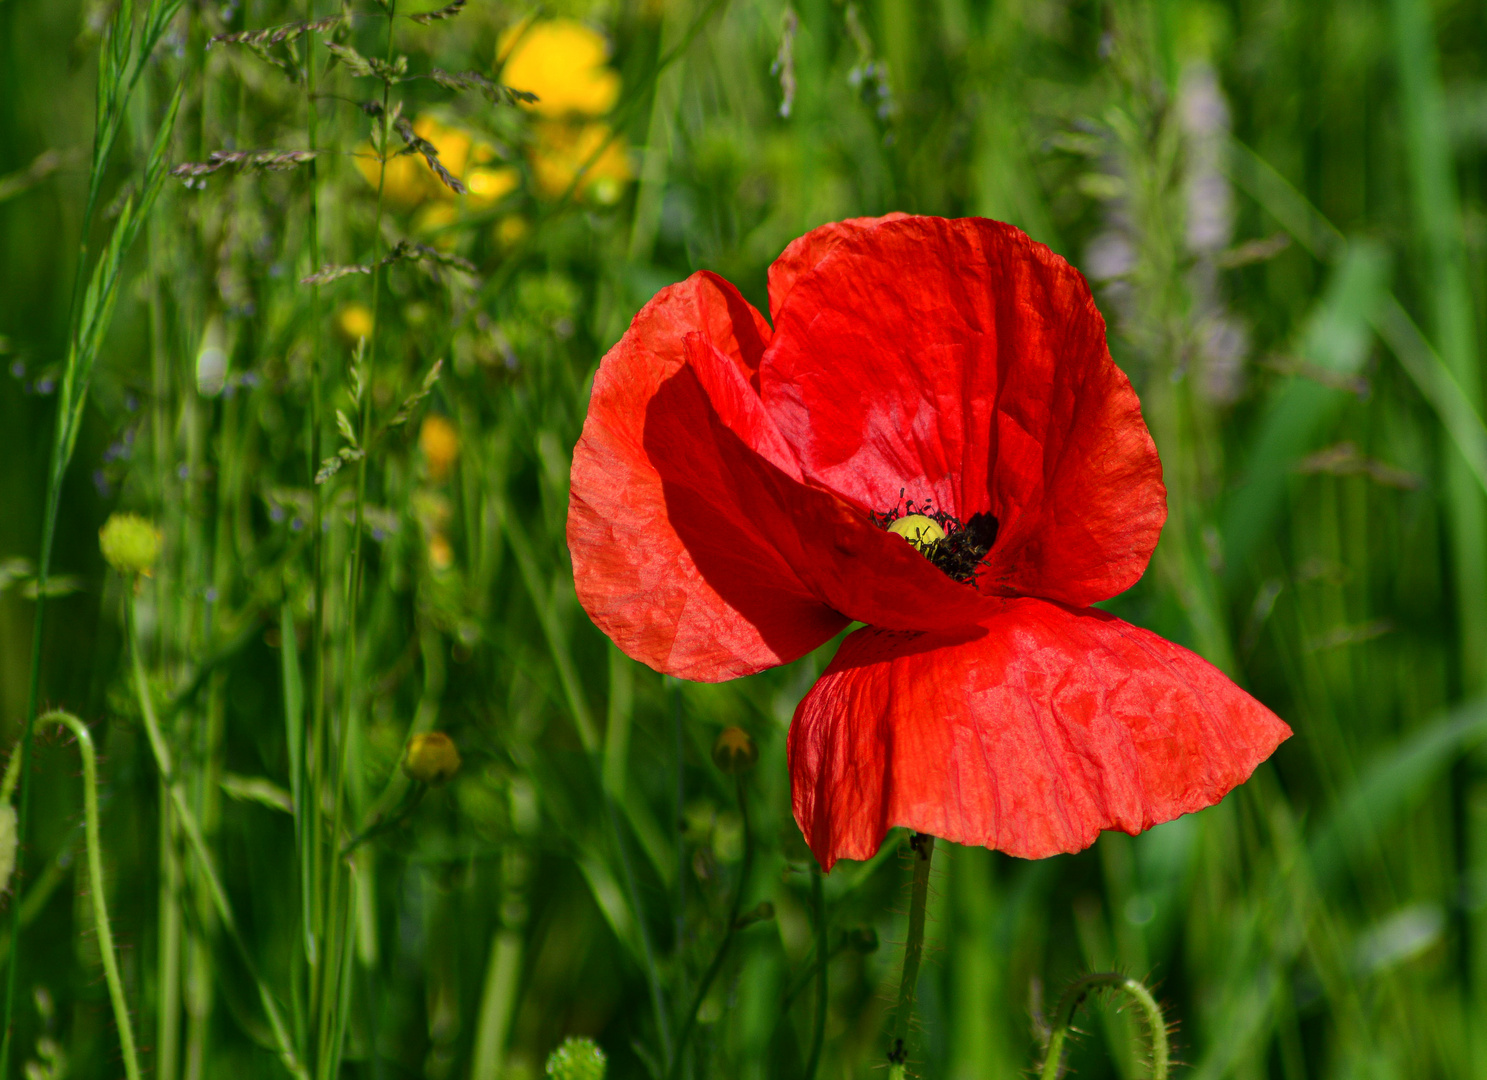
(964,545)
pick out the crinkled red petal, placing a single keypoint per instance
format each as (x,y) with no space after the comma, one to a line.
(666,559)
(961,362)
(804,252)
(1029,734)
(728,452)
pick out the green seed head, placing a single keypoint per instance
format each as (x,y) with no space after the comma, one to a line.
(130,543)
(577,1059)
(918,530)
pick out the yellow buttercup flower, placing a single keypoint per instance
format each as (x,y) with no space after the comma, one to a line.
(355,322)
(563,62)
(561,149)
(409,181)
(489,186)
(440,444)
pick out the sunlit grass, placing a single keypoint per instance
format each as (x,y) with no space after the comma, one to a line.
(1280,208)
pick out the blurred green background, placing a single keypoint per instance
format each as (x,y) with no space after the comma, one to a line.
(1280,205)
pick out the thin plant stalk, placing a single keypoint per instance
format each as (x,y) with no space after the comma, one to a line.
(690,1023)
(307,835)
(923,847)
(121,65)
(333,972)
(823,958)
(117,1000)
(186,820)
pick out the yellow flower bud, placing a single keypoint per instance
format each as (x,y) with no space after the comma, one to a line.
(431,758)
(440,444)
(130,543)
(441,555)
(918,530)
(734,751)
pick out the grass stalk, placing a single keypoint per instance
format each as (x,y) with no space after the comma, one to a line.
(689,1023)
(90,312)
(212,884)
(334,974)
(309,777)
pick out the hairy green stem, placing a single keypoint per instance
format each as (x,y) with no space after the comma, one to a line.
(95,876)
(923,847)
(690,1024)
(1063,1021)
(823,957)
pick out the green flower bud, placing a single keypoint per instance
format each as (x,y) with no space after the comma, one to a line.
(431,758)
(130,543)
(734,751)
(577,1059)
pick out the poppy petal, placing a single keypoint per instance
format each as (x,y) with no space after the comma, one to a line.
(1029,734)
(652,458)
(962,363)
(804,252)
(834,548)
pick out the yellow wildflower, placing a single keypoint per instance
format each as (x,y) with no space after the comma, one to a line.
(563,62)
(488,186)
(441,555)
(355,322)
(440,444)
(510,230)
(562,148)
(409,181)
(431,758)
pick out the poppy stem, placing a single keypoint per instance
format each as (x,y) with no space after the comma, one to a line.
(923,847)
(1063,1021)
(823,956)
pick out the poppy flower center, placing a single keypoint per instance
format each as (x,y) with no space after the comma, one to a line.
(956,548)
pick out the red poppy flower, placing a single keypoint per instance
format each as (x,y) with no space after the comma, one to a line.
(731,505)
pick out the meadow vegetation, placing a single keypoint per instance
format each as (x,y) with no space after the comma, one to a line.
(315,292)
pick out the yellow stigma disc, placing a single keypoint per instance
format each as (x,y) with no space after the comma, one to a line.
(918,530)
